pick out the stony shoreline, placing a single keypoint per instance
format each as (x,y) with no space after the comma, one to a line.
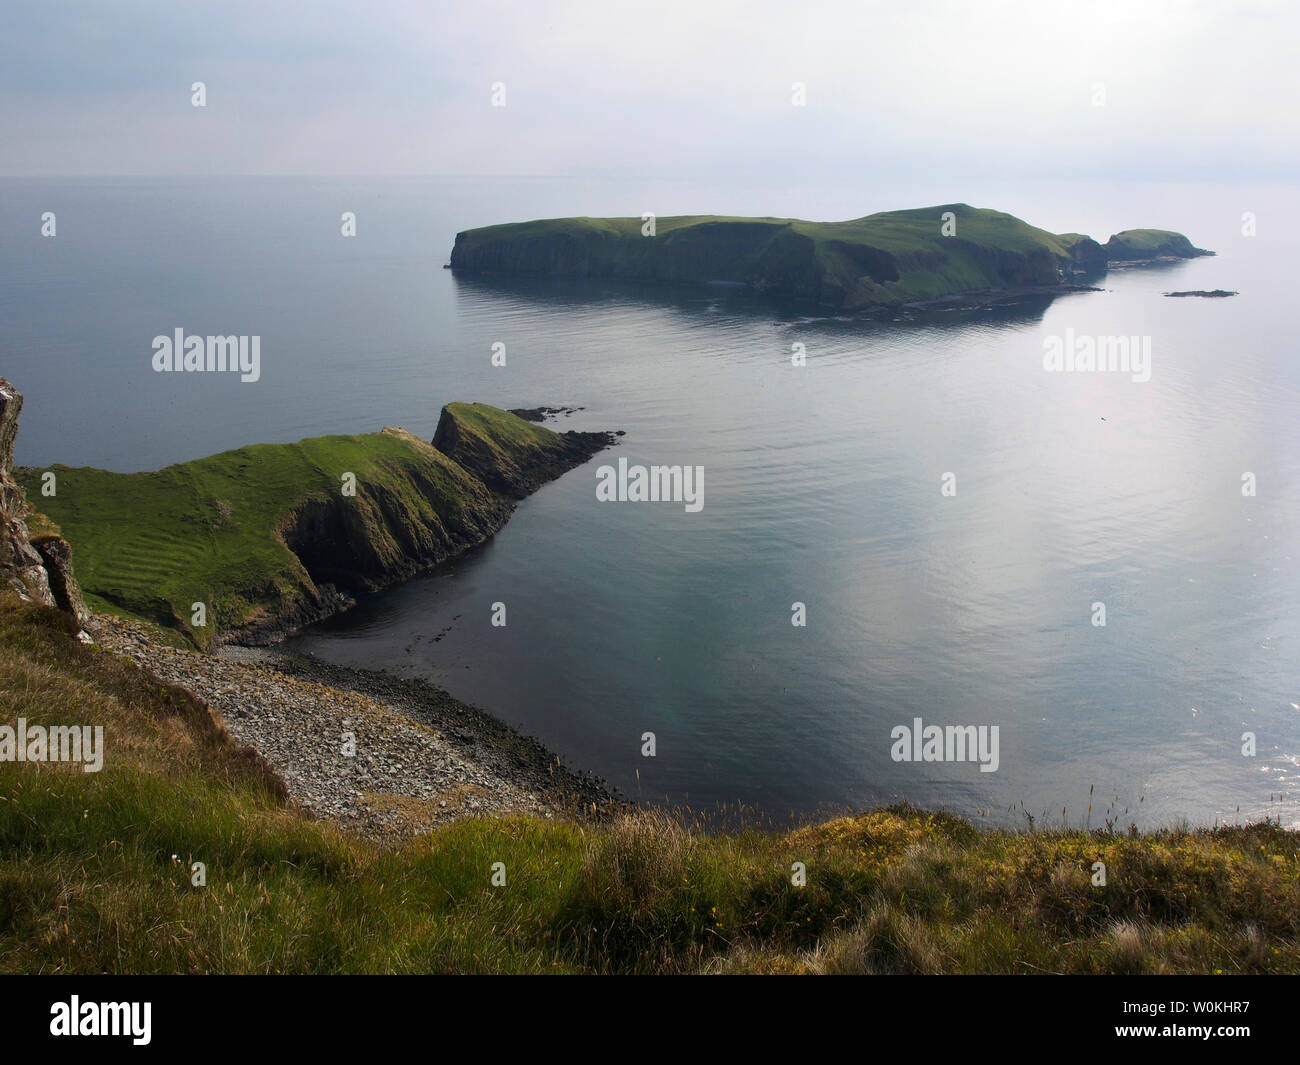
(419,758)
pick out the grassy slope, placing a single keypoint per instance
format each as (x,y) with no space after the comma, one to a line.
(901,231)
(509,436)
(88,881)
(931,265)
(151,544)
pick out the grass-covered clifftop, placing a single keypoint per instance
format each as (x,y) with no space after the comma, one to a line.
(266,536)
(97,872)
(1137,245)
(882,261)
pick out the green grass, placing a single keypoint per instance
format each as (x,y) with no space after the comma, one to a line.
(897,231)
(504,432)
(1145,239)
(220,530)
(88,881)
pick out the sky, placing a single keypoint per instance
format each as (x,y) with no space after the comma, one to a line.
(697,89)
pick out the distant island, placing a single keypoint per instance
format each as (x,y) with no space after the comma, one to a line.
(952,253)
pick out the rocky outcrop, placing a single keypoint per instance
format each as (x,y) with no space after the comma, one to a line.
(1150,245)
(1087,257)
(56,555)
(38,568)
(470,434)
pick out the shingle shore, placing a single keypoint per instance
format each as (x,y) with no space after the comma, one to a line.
(418,757)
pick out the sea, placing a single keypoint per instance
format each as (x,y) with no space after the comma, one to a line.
(905,524)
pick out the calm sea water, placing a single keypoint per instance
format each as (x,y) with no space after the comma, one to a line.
(822,483)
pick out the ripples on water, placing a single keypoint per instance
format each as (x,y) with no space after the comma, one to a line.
(822,486)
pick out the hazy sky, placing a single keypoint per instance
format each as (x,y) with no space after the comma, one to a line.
(681,88)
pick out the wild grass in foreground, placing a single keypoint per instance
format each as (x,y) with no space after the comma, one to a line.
(96,872)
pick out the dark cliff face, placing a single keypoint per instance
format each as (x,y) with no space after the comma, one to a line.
(368,542)
(763,255)
(1087,257)
(415,516)
(36,566)
(1014,269)
(470,436)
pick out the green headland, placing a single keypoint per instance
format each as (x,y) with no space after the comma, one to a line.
(273,536)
